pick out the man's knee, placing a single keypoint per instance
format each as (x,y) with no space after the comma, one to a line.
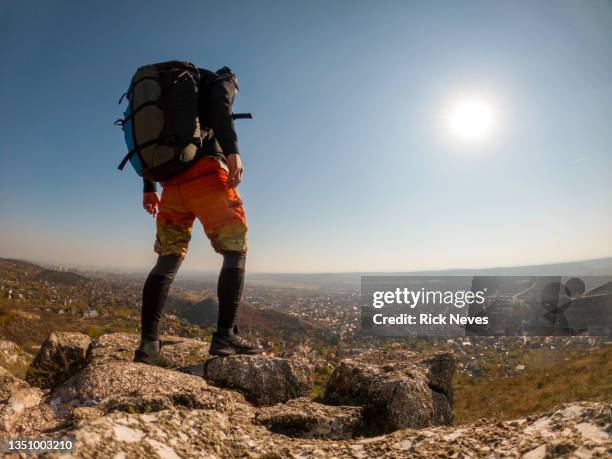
(167,266)
(231,237)
(233,259)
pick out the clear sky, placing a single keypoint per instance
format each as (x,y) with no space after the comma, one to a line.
(350,163)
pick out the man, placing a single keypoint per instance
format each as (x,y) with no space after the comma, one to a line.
(206,191)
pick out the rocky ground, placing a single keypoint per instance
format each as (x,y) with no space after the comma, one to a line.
(393,403)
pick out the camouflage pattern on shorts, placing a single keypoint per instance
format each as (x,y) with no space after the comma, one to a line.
(173,234)
(230,237)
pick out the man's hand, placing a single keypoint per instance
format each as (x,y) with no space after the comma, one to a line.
(234,164)
(150,202)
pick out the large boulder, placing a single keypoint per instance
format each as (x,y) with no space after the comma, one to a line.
(264,380)
(59,357)
(176,352)
(397,389)
(128,386)
(303,418)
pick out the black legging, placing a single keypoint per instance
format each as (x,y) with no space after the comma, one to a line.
(157,285)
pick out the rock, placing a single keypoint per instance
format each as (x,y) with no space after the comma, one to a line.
(136,387)
(176,352)
(592,433)
(20,406)
(9,384)
(86,412)
(303,418)
(536,453)
(264,380)
(19,401)
(60,356)
(13,358)
(197,433)
(397,388)
(180,352)
(114,347)
(168,434)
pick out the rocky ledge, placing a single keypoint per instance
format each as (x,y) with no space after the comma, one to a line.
(397,389)
(377,404)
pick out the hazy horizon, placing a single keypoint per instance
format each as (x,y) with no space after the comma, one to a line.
(391,136)
(195,271)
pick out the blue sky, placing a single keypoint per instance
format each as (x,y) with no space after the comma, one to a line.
(348,163)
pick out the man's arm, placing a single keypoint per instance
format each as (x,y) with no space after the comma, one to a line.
(220,101)
(150,198)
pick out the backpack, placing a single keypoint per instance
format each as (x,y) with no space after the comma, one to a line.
(161,123)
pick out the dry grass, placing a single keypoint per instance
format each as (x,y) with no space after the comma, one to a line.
(30,333)
(567,377)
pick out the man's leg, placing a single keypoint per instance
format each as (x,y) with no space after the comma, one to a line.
(154,296)
(222,214)
(174,224)
(225,340)
(229,290)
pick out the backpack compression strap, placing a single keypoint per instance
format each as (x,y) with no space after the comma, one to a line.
(195,140)
(132,152)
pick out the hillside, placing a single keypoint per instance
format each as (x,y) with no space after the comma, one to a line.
(36,300)
(266,323)
(545,382)
(63,277)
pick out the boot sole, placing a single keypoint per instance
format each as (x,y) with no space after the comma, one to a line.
(233,352)
(223,353)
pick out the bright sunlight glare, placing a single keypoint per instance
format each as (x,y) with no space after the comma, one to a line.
(471,120)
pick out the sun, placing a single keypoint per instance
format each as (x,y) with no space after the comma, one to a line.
(471,120)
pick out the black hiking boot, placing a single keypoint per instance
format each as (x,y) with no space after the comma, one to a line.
(230,343)
(148,352)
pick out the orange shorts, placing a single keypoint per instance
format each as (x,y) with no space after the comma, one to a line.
(201,192)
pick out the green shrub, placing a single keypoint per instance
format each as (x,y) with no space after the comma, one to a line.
(94,331)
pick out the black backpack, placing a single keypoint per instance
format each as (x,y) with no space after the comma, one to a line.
(161,124)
